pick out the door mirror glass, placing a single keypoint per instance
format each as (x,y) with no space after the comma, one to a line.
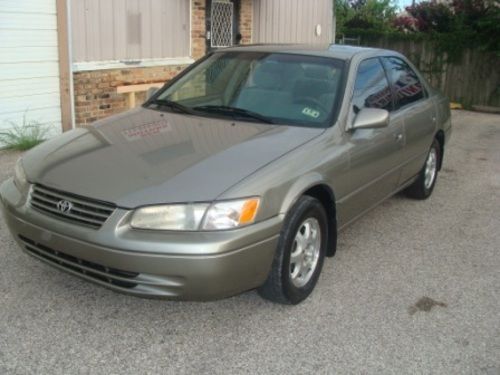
(370,118)
(151,91)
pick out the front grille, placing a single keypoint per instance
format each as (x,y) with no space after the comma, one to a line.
(84,211)
(96,271)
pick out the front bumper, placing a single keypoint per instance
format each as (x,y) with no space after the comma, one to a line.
(177,265)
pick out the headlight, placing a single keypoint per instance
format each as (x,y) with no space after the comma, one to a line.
(197,216)
(19,176)
(171,217)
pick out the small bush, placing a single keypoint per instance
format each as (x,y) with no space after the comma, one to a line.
(25,136)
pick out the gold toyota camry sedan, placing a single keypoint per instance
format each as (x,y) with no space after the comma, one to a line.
(238,174)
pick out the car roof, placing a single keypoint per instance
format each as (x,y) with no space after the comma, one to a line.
(338,51)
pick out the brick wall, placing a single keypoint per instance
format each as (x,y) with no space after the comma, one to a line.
(198,44)
(246,21)
(95,91)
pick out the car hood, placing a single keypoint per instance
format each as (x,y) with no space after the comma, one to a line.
(146,157)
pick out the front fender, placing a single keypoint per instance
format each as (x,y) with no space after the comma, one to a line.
(315,185)
(298,188)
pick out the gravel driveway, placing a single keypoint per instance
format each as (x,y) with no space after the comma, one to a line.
(414,288)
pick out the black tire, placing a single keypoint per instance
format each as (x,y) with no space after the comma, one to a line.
(419,190)
(278,286)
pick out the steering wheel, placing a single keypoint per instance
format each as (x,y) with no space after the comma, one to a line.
(315,103)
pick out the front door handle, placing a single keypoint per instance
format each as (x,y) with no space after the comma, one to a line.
(398,137)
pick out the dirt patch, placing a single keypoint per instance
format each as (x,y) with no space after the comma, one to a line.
(425,304)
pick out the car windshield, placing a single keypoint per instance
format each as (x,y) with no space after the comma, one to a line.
(254,86)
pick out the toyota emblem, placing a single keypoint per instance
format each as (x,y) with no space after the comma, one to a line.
(64,206)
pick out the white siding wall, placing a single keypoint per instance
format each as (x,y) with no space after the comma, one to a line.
(29,70)
(115,30)
(292,21)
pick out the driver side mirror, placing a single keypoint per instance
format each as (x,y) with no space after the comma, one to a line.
(371,118)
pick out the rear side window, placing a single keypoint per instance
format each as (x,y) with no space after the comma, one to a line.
(405,83)
(371,89)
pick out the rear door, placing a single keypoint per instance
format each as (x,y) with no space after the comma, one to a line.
(375,154)
(413,104)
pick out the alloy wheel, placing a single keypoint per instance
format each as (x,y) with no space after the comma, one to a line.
(430,168)
(305,252)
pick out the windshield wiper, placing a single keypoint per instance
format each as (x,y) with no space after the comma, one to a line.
(173,105)
(234,111)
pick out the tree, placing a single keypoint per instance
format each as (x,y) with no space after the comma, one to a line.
(368,14)
(459,24)
(432,16)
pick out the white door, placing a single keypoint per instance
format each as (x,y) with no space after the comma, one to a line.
(222,13)
(29,70)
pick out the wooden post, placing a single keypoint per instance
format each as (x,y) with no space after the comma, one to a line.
(64,64)
(131,90)
(131,99)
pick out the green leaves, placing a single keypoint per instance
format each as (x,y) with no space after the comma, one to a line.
(452,26)
(25,136)
(370,14)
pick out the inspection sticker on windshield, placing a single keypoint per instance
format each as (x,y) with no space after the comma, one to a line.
(310,112)
(146,130)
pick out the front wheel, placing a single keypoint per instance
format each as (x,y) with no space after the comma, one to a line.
(300,254)
(424,184)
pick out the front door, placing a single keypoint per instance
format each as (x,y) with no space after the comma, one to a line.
(222,23)
(413,103)
(375,154)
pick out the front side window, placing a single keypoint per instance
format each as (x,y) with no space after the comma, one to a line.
(273,87)
(405,83)
(371,89)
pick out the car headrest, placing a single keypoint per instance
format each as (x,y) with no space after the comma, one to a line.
(319,72)
(268,75)
(310,87)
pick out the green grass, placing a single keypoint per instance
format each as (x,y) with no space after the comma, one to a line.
(23,137)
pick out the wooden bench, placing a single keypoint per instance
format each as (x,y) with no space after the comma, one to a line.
(131,90)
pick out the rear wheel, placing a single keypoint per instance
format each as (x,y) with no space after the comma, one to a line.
(300,254)
(424,185)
